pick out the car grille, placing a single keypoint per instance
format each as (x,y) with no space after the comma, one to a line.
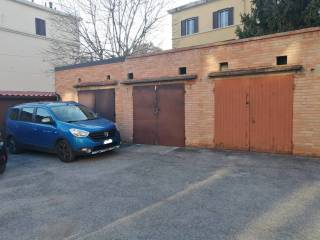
(102,135)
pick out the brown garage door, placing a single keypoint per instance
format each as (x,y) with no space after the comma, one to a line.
(254,114)
(105,104)
(144,115)
(158,115)
(232,111)
(87,98)
(271,114)
(100,101)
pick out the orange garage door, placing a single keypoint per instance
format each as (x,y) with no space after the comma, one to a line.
(254,114)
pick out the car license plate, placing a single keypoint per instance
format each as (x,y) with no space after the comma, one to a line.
(108,141)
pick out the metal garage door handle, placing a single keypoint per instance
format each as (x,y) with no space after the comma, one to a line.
(247,99)
(156,110)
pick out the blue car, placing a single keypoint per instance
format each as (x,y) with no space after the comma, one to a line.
(66,128)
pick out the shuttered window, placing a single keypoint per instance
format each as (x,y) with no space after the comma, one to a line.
(40,27)
(189,26)
(223,18)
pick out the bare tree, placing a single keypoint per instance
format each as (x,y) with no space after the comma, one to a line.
(146,48)
(112,28)
(64,38)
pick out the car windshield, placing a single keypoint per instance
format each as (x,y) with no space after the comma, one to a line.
(73,113)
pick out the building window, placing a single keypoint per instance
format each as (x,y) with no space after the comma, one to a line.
(189,26)
(224,66)
(130,76)
(182,70)
(40,27)
(282,60)
(223,18)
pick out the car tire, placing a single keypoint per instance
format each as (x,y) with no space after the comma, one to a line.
(65,152)
(13,146)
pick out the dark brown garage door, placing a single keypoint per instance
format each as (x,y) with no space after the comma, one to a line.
(254,114)
(88,99)
(100,101)
(158,115)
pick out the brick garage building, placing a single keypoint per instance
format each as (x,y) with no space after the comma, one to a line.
(259,94)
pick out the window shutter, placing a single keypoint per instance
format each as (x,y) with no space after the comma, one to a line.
(37,26)
(40,27)
(196,24)
(215,20)
(231,17)
(44,32)
(183,28)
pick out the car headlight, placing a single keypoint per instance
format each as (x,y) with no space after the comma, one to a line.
(116,125)
(1,143)
(79,133)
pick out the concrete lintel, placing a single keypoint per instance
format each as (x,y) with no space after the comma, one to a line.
(161,79)
(96,84)
(254,71)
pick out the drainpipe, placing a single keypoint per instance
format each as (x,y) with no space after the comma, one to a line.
(58,97)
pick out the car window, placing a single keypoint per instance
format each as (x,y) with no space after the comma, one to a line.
(14,114)
(26,114)
(41,114)
(73,113)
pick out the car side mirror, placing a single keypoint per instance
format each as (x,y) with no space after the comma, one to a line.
(47,120)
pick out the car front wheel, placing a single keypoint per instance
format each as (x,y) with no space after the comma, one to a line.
(65,152)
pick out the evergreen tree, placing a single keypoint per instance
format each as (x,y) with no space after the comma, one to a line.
(272,16)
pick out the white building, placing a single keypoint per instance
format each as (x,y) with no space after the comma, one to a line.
(27,33)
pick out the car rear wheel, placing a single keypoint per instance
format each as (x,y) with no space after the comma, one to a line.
(64,151)
(13,146)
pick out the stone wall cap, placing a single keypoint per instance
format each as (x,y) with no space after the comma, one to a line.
(91,64)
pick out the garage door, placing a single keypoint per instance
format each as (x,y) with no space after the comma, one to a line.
(105,103)
(158,115)
(232,114)
(87,98)
(254,114)
(100,101)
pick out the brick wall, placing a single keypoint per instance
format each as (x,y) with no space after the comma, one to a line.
(302,47)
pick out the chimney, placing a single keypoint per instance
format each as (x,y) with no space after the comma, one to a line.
(50,5)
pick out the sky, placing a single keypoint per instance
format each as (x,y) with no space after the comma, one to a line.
(163,37)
